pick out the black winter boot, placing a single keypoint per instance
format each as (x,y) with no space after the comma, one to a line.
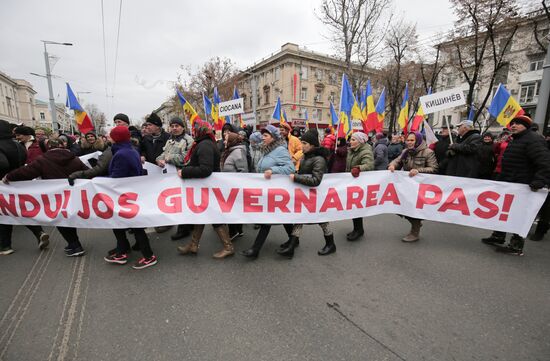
(329,247)
(357,230)
(540,231)
(496,238)
(289,251)
(515,247)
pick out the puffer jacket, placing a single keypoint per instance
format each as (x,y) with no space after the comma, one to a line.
(463,160)
(295,150)
(236,160)
(126,161)
(205,159)
(360,157)
(313,166)
(276,158)
(381,154)
(422,159)
(525,159)
(329,142)
(175,150)
(99,170)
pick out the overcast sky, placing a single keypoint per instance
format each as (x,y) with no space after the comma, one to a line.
(156,37)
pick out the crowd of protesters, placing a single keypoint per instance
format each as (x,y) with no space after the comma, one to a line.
(518,154)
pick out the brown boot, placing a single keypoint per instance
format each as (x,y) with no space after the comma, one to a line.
(193,246)
(223,233)
(414,233)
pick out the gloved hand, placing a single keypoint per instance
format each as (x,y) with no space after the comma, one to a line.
(71,181)
(355,171)
(536,185)
(450,153)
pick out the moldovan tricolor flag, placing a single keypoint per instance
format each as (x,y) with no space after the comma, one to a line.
(349,109)
(83,121)
(504,107)
(334,118)
(418,119)
(188,109)
(403,119)
(371,118)
(381,111)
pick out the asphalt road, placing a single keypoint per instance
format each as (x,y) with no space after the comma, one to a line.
(447,297)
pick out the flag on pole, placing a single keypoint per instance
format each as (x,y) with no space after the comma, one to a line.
(371,117)
(363,101)
(403,119)
(504,107)
(216,100)
(188,109)
(419,117)
(333,118)
(472,112)
(381,110)
(278,112)
(207,105)
(430,135)
(83,121)
(347,103)
(284,117)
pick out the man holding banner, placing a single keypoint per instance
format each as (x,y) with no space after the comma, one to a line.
(526,160)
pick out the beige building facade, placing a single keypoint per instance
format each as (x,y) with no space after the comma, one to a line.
(43,116)
(304,80)
(521,75)
(17,103)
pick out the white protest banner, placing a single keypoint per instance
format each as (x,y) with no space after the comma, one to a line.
(442,100)
(249,118)
(231,107)
(250,198)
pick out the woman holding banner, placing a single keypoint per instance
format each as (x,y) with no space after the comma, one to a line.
(276,160)
(201,160)
(359,159)
(416,158)
(313,166)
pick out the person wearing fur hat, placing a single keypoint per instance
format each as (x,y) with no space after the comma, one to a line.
(91,144)
(26,136)
(275,160)
(313,166)
(359,159)
(201,160)
(526,160)
(57,163)
(126,162)
(293,144)
(462,155)
(416,158)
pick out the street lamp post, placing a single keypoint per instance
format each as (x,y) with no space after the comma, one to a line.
(254,87)
(55,125)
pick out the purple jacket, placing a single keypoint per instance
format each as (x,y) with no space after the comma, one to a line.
(126,161)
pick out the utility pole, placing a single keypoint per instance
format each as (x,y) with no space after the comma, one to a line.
(543,110)
(55,125)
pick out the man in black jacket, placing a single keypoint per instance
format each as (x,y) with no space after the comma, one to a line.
(441,148)
(463,154)
(13,156)
(526,160)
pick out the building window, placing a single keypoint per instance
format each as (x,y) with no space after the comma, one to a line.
(42,116)
(10,110)
(319,74)
(319,95)
(536,65)
(331,97)
(303,94)
(303,72)
(277,73)
(332,78)
(529,93)
(266,95)
(318,115)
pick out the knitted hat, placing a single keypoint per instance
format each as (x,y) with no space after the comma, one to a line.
(120,134)
(312,137)
(91,133)
(523,120)
(272,130)
(379,136)
(177,120)
(256,137)
(360,137)
(123,117)
(24,130)
(154,119)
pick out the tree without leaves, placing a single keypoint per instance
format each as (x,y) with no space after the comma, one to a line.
(485,29)
(401,42)
(99,120)
(357,29)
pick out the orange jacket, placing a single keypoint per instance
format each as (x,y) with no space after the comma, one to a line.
(295,150)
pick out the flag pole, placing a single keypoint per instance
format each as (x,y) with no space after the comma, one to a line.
(450,132)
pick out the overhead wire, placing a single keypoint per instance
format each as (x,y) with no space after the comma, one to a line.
(116,49)
(104,51)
